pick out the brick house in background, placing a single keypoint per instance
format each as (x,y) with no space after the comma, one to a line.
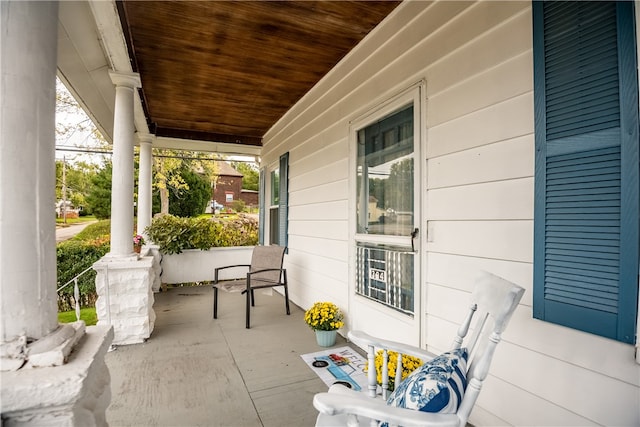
(228,187)
(249,197)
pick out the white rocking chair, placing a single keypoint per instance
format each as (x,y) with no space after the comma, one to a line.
(493,298)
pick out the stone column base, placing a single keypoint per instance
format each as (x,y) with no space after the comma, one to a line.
(75,394)
(154,251)
(125,299)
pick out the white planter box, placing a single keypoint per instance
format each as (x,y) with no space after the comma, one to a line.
(194,265)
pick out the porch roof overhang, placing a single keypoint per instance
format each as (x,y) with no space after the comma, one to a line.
(216,75)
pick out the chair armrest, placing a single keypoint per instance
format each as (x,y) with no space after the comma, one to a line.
(215,271)
(364,340)
(265,282)
(266,269)
(358,403)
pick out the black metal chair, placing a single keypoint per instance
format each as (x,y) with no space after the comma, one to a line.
(265,271)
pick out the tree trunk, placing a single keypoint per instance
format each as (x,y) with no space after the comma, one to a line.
(164,201)
(162,186)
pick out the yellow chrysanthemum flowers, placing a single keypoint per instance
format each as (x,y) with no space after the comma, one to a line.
(409,364)
(324,316)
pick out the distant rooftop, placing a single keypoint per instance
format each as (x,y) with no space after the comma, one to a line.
(225,169)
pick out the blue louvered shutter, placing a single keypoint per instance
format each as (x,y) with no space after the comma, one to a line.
(283,203)
(261,208)
(586,212)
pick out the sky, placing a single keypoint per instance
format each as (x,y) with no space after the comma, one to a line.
(79,134)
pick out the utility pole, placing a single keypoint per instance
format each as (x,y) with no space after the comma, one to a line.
(64,189)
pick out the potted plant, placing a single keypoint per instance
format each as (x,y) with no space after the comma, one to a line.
(138,241)
(325,318)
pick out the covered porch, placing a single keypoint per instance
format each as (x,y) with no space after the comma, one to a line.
(199,371)
(467,75)
(89,45)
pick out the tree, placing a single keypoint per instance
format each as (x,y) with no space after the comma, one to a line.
(99,197)
(190,202)
(401,177)
(377,189)
(168,177)
(251,176)
(76,132)
(76,177)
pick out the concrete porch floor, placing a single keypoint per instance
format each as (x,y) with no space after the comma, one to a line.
(197,371)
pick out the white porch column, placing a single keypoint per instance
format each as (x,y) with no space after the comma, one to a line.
(27,170)
(122,177)
(144,183)
(61,391)
(145,203)
(124,280)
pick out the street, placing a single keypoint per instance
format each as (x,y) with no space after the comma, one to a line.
(65,233)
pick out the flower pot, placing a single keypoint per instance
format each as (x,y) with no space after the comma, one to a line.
(136,249)
(326,338)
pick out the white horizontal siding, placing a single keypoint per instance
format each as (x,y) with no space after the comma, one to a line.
(322,154)
(530,409)
(318,264)
(324,192)
(336,210)
(331,230)
(459,271)
(333,249)
(507,240)
(506,80)
(499,200)
(509,119)
(314,277)
(476,60)
(323,173)
(508,159)
(578,390)
(483,53)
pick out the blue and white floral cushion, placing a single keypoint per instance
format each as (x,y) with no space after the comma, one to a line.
(436,386)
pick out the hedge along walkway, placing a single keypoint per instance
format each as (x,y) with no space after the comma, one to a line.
(197,371)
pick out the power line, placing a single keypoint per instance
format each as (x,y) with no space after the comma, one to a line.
(164,156)
(83,150)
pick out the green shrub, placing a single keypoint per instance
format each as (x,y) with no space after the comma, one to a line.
(238,205)
(240,230)
(173,234)
(73,258)
(76,255)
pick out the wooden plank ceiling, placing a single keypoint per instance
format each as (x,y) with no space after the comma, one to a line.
(226,71)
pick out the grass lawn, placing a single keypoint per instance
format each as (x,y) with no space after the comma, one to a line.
(87,314)
(76,220)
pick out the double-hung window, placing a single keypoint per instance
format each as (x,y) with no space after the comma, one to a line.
(274,207)
(277,211)
(586,175)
